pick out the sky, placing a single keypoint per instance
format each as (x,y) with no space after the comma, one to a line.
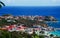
(31,2)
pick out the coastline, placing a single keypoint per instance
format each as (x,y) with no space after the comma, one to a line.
(33,12)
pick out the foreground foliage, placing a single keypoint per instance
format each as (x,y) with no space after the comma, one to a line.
(6,34)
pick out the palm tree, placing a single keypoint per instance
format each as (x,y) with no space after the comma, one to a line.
(1,4)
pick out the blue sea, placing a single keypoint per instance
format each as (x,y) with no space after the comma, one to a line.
(26,10)
(33,10)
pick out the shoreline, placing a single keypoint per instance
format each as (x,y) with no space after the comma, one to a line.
(22,23)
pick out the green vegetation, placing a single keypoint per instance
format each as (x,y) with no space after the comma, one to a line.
(6,34)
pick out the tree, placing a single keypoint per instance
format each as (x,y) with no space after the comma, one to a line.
(42,32)
(1,4)
(41,36)
(51,35)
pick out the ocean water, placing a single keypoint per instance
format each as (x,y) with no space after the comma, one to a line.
(57,33)
(25,10)
(45,11)
(42,10)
